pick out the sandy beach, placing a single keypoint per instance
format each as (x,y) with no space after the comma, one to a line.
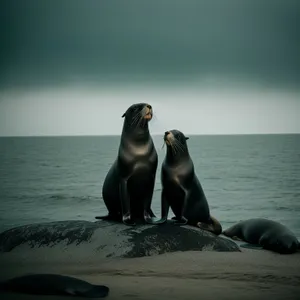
(250,274)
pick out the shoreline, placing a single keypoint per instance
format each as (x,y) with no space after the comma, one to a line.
(249,274)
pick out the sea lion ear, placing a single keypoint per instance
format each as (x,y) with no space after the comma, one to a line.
(124,115)
(186,138)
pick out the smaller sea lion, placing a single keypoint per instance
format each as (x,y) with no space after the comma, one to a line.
(181,189)
(53,284)
(270,235)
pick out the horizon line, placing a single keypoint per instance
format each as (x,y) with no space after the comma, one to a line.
(154,134)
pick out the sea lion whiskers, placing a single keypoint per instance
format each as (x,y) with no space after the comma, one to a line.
(139,117)
(136,119)
(175,145)
(179,145)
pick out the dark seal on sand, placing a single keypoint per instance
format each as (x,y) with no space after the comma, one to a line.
(52,284)
(269,234)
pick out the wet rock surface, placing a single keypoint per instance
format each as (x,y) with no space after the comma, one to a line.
(115,239)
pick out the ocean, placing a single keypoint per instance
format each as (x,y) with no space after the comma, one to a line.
(44,179)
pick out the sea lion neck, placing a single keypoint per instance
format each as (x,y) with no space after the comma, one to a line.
(137,135)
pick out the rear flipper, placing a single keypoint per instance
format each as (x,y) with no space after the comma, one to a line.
(214,226)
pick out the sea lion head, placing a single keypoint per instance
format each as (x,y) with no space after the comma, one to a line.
(176,142)
(138,115)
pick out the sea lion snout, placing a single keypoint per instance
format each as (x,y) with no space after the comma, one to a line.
(168,137)
(148,112)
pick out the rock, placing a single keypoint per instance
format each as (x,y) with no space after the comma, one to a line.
(110,239)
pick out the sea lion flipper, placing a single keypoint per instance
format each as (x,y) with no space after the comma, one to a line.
(127,220)
(181,221)
(214,226)
(155,221)
(125,203)
(151,219)
(165,206)
(179,218)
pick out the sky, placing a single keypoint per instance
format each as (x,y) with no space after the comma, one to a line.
(207,67)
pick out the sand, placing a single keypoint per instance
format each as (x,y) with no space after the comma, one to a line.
(250,274)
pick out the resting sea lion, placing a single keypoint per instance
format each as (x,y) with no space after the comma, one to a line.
(181,189)
(128,187)
(52,284)
(269,234)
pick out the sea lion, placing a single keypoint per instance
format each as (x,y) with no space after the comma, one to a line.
(128,187)
(181,189)
(269,234)
(52,284)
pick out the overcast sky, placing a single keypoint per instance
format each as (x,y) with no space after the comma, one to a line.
(207,67)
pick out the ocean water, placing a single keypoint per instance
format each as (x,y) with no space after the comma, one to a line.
(46,179)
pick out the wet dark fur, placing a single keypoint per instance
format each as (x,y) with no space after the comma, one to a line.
(52,284)
(269,234)
(128,187)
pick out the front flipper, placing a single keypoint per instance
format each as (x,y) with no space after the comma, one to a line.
(125,203)
(180,218)
(153,220)
(149,216)
(164,212)
(181,221)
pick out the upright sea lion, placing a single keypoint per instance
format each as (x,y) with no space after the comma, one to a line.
(181,188)
(269,234)
(52,284)
(128,187)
